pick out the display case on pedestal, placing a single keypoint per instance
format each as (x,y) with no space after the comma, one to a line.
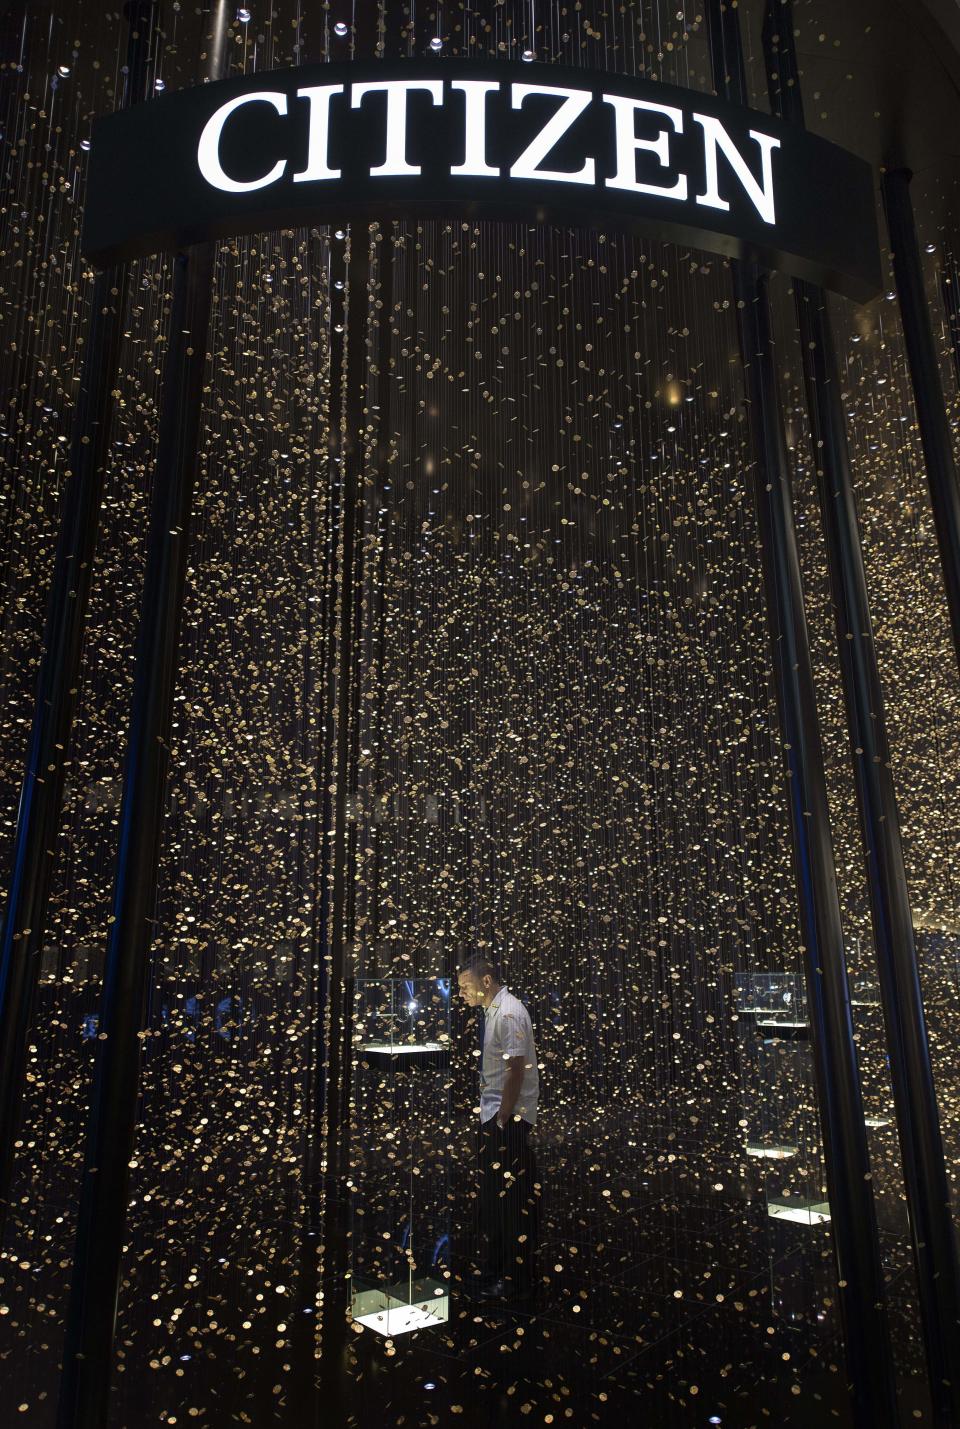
(399,1181)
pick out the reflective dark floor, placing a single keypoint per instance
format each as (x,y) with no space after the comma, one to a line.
(691,1308)
(714,1321)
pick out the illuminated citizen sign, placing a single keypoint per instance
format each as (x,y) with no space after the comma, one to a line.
(333,142)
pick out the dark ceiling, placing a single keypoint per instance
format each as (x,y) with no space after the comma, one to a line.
(882,80)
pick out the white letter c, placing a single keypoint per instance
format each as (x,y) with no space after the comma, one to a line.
(208,150)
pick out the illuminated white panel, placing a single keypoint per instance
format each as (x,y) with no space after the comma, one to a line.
(399,1049)
(805,1213)
(389,1315)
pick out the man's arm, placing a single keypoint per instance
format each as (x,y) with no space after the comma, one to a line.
(511,1088)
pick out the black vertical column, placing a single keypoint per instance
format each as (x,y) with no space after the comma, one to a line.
(927,390)
(91,1317)
(41,795)
(853,1216)
(918,1123)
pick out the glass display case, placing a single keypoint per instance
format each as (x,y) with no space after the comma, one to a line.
(399,1167)
(403,1022)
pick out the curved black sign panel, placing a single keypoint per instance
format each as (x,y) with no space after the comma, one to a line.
(329,143)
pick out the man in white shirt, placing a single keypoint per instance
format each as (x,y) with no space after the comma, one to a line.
(509,1197)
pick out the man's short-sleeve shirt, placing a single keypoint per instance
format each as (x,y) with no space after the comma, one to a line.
(508,1032)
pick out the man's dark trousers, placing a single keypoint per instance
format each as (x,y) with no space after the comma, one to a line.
(509,1204)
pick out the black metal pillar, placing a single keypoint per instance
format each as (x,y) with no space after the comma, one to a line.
(91,1317)
(853,1216)
(918,1123)
(41,795)
(927,389)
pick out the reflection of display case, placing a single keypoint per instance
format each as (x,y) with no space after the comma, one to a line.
(783,1131)
(773,1000)
(399,1171)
